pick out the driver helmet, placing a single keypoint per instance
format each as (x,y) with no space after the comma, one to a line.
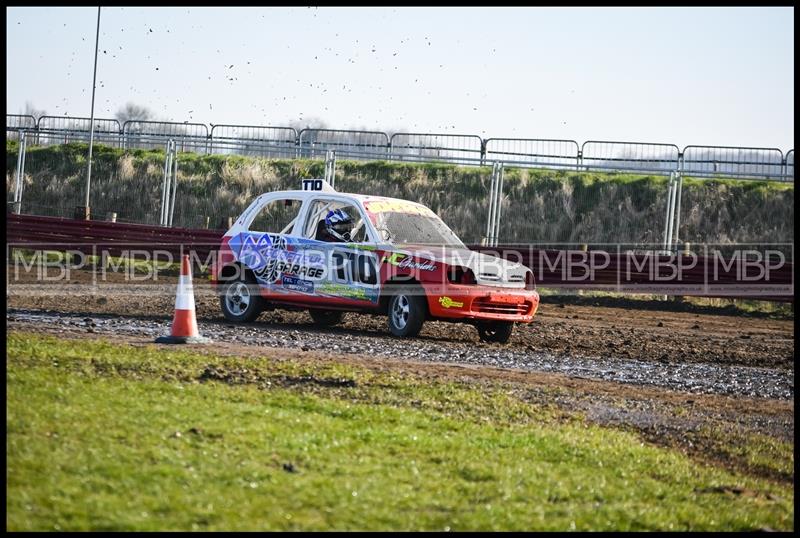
(338,224)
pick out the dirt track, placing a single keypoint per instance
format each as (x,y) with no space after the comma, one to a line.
(559,329)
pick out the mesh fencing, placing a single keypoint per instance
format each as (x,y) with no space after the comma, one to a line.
(462,149)
(564,209)
(733,162)
(426,147)
(63,130)
(537,153)
(717,213)
(18,122)
(629,156)
(250,140)
(545,207)
(361,145)
(191,137)
(458,195)
(55,183)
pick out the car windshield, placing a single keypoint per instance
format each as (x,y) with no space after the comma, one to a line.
(405,223)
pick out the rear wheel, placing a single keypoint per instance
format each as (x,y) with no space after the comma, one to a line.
(241,300)
(407,311)
(326,318)
(496,331)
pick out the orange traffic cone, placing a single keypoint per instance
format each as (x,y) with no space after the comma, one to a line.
(184,324)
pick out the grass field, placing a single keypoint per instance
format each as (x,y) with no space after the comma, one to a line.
(109,436)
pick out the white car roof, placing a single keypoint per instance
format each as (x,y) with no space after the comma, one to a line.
(245,218)
(303,195)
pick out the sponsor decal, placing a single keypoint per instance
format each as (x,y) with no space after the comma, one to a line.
(298,284)
(342,290)
(289,268)
(447,302)
(398,206)
(268,256)
(359,246)
(404,261)
(354,267)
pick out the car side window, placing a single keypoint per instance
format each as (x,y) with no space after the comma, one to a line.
(334,221)
(277,216)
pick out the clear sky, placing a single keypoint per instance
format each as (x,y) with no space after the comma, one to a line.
(716,76)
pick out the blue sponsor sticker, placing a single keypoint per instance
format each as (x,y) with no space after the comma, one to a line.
(297,284)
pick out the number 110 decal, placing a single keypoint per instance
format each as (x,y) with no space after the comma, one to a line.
(355,267)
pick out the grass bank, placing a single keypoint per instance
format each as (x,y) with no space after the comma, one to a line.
(542,206)
(103,436)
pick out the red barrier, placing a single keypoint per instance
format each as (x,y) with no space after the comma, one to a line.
(94,236)
(710,276)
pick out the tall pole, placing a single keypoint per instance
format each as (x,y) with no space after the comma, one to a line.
(91,119)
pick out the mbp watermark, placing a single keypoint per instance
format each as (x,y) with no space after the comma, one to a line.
(730,270)
(130,268)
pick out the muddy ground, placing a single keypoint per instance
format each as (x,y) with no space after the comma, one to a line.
(559,328)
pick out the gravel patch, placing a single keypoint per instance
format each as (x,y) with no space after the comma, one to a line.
(700,378)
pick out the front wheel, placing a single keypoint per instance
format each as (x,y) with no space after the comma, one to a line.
(407,311)
(496,331)
(240,301)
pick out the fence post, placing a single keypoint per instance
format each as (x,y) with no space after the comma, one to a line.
(668,218)
(333,168)
(483,152)
(165,185)
(490,219)
(499,202)
(174,184)
(20,179)
(677,204)
(330,167)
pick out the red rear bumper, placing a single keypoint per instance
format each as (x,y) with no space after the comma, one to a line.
(454,301)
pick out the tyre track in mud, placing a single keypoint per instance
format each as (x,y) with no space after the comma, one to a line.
(274,332)
(680,350)
(646,331)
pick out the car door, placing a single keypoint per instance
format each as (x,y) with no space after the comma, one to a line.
(268,247)
(337,230)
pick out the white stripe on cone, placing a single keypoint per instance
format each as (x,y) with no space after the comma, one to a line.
(184,300)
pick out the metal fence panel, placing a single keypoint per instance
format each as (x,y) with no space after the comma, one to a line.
(19,122)
(65,129)
(459,195)
(626,156)
(554,210)
(128,186)
(154,134)
(358,145)
(533,152)
(265,141)
(724,161)
(789,173)
(426,147)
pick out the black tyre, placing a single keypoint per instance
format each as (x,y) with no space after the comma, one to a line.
(407,311)
(241,300)
(496,331)
(326,318)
